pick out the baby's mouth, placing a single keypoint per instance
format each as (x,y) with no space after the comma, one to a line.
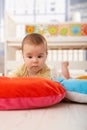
(34,67)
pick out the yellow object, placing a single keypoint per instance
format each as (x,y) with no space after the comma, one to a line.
(22,71)
(82,77)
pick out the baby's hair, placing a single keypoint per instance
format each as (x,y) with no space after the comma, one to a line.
(34,39)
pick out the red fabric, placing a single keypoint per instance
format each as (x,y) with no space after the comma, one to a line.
(28,87)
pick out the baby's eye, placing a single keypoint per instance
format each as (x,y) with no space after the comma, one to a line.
(40,56)
(29,57)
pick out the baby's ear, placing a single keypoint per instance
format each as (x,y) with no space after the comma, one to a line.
(47,52)
(23,56)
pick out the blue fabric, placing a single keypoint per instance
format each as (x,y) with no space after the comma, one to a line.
(75,85)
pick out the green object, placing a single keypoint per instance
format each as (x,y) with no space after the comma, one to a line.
(63,31)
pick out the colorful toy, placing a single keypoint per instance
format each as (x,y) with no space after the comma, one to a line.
(25,93)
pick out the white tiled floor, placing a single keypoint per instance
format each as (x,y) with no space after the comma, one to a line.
(62,116)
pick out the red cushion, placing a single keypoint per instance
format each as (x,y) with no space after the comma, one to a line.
(24,93)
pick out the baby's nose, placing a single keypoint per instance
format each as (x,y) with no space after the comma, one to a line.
(35,59)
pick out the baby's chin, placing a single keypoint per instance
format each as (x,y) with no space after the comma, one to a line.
(35,70)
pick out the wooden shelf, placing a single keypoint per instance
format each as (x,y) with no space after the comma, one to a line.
(59,45)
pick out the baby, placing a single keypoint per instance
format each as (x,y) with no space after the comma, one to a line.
(34,50)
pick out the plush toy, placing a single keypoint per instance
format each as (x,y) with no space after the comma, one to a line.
(82,77)
(24,93)
(76,89)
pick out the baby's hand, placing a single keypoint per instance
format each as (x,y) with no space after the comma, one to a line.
(65,63)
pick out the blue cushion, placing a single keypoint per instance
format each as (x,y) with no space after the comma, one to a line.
(76,89)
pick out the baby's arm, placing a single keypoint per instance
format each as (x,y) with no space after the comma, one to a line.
(65,70)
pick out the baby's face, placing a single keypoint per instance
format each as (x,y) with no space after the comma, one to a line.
(34,57)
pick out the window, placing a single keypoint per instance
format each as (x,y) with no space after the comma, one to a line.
(34,11)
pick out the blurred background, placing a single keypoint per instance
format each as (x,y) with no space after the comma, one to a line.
(39,11)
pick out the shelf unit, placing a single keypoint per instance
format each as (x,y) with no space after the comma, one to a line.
(13,57)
